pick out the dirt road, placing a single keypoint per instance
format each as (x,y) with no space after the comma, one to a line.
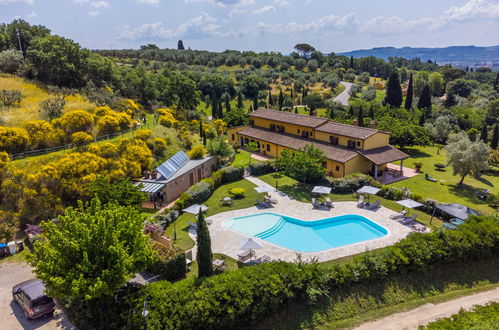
(11,315)
(343,97)
(430,312)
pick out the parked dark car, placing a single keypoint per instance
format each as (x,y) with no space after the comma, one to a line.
(30,295)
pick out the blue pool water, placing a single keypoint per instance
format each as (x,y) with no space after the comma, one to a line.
(307,236)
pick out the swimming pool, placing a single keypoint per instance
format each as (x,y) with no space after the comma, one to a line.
(307,236)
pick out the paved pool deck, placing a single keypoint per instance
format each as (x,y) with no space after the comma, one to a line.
(226,241)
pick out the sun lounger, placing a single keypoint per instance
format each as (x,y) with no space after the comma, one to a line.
(360,203)
(411,218)
(315,205)
(374,205)
(243,256)
(263,203)
(329,203)
(270,200)
(262,260)
(193,225)
(399,215)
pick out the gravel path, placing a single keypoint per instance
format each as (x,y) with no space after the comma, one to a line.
(430,312)
(344,96)
(11,315)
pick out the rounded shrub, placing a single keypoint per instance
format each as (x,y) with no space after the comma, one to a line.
(237,192)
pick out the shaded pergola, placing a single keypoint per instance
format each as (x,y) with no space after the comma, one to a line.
(321,190)
(456,210)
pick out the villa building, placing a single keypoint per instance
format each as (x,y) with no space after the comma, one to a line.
(348,149)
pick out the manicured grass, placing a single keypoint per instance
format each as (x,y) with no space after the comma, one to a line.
(302,192)
(359,303)
(231,263)
(183,239)
(242,158)
(445,190)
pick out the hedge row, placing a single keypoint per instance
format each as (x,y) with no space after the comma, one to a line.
(351,183)
(201,191)
(260,168)
(243,296)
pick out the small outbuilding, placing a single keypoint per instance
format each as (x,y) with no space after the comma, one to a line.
(172,178)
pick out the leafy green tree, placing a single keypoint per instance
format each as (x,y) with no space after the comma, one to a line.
(180,45)
(10,60)
(304,49)
(450,100)
(313,101)
(252,147)
(461,87)
(495,137)
(251,85)
(409,95)
(393,91)
(204,254)
(227,103)
(305,164)
(484,134)
(436,82)
(270,100)
(425,99)
(91,251)
(236,117)
(121,191)
(371,112)
(52,107)
(219,148)
(466,157)
(352,63)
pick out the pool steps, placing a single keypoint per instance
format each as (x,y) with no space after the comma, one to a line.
(272,230)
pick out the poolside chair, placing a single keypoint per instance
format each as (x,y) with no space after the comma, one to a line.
(263,203)
(262,260)
(374,205)
(245,255)
(410,219)
(361,203)
(329,203)
(399,215)
(208,221)
(315,205)
(270,200)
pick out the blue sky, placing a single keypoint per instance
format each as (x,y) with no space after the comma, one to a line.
(272,25)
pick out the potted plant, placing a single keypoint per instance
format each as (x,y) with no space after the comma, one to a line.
(418,165)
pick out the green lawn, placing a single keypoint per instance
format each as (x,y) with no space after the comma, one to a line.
(242,158)
(358,303)
(446,190)
(18,257)
(232,264)
(183,240)
(302,192)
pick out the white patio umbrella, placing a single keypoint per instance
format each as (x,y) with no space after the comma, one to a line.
(194,209)
(368,190)
(264,189)
(409,203)
(321,190)
(249,244)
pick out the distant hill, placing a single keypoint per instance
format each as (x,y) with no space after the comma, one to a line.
(456,54)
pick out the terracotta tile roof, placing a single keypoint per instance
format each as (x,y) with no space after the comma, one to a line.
(336,153)
(289,117)
(383,155)
(352,131)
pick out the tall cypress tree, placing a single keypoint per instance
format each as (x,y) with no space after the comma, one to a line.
(304,93)
(352,64)
(410,94)
(331,113)
(200,129)
(280,100)
(220,110)
(292,94)
(240,104)
(255,102)
(204,137)
(371,112)
(393,91)
(227,103)
(425,99)
(484,135)
(270,101)
(204,254)
(350,111)
(214,108)
(360,117)
(495,137)
(496,83)
(251,108)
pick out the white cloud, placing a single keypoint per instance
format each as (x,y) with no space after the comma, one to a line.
(94,13)
(471,10)
(200,26)
(31,15)
(99,4)
(264,9)
(281,3)
(80,1)
(149,2)
(7,2)
(226,3)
